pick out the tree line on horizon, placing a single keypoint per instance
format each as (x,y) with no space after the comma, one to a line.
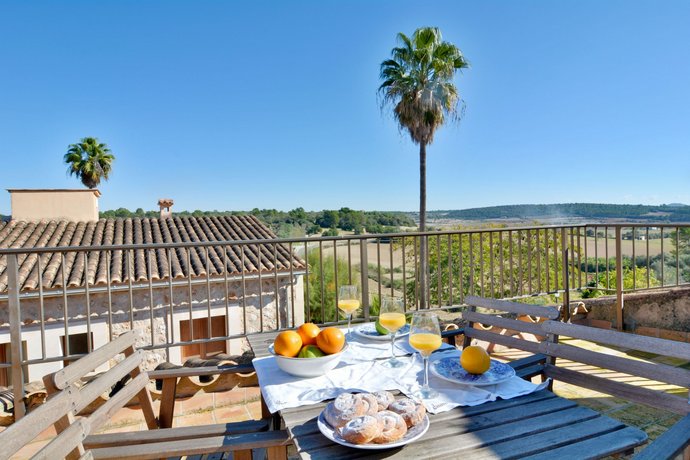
(665,212)
(298,222)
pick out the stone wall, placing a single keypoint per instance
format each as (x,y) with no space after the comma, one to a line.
(667,309)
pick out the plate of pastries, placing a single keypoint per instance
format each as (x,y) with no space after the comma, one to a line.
(373,420)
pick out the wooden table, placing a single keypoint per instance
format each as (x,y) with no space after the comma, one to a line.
(541,425)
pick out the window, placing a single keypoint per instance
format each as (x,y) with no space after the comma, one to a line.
(200,325)
(78,345)
(6,357)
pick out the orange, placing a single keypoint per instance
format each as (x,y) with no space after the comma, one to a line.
(287,343)
(330,340)
(475,360)
(308,333)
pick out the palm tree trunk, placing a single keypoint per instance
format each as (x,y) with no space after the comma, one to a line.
(424,263)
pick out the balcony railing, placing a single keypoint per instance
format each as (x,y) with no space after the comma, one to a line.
(52,292)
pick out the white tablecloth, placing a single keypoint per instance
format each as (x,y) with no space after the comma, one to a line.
(360,369)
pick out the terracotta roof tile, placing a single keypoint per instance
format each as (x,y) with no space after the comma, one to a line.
(159,264)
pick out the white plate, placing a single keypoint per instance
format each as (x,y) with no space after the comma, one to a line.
(368,331)
(412,434)
(449,368)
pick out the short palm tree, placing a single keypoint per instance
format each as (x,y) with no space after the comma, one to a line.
(90,161)
(418,83)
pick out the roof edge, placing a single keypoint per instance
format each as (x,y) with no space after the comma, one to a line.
(95,191)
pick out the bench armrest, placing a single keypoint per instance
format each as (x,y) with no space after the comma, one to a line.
(670,444)
(529,366)
(199,371)
(169,387)
(451,334)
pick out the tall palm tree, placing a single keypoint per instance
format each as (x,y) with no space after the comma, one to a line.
(90,161)
(418,83)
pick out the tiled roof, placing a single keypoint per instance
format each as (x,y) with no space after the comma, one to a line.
(136,231)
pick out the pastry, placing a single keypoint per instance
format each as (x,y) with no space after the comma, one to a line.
(411,411)
(344,408)
(384,399)
(370,403)
(393,427)
(361,430)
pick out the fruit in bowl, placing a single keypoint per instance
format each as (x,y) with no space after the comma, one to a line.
(311,359)
(311,351)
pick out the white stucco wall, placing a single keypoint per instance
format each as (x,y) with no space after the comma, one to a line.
(35,205)
(154,319)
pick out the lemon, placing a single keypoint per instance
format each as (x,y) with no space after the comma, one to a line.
(475,360)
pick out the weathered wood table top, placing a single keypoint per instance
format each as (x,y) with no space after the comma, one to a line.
(539,425)
(260,343)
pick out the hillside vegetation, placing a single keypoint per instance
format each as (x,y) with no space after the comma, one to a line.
(662,213)
(298,222)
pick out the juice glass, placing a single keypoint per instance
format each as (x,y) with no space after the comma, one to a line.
(392,318)
(425,337)
(348,302)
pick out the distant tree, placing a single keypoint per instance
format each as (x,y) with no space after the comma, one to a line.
(330,232)
(90,161)
(328,219)
(351,220)
(418,82)
(298,215)
(313,229)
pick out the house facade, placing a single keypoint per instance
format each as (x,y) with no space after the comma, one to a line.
(161,276)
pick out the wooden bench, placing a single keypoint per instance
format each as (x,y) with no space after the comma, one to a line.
(546,354)
(76,432)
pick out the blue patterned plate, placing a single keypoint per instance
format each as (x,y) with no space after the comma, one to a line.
(368,331)
(449,368)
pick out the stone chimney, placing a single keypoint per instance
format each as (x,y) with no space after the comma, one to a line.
(165,204)
(78,205)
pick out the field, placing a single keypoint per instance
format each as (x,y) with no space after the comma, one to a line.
(600,245)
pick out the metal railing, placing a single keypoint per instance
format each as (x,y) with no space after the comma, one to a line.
(61,290)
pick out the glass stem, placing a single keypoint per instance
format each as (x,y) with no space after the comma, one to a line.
(392,346)
(426,372)
(349,317)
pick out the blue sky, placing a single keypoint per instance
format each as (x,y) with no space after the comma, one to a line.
(237,105)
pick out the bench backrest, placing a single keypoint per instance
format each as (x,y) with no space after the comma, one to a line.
(498,328)
(550,342)
(624,362)
(68,397)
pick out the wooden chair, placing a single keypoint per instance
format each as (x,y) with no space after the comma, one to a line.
(543,362)
(77,438)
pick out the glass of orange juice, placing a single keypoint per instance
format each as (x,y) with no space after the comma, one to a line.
(348,302)
(425,337)
(392,318)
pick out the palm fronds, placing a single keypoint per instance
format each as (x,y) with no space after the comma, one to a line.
(90,161)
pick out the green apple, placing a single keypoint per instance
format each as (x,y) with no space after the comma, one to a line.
(310,351)
(380,329)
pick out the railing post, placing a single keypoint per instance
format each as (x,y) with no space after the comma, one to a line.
(565,315)
(15,336)
(364,273)
(619,279)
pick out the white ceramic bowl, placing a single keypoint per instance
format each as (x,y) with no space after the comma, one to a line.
(308,367)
